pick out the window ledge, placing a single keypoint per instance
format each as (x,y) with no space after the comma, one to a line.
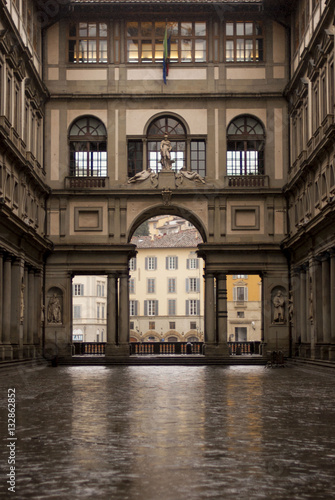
(86,182)
(247,181)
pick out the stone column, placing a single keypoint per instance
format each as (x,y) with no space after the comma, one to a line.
(209,309)
(123,339)
(222,314)
(332,295)
(26,306)
(297,303)
(38,308)
(7,298)
(315,303)
(325,290)
(16,305)
(112,309)
(307,292)
(31,306)
(303,313)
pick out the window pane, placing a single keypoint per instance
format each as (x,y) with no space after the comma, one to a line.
(239,29)
(229,51)
(200,29)
(132,51)
(103,51)
(186,50)
(82,29)
(160,30)
(146,29)
(174,51)
(186,29)
(248,50)
(229,29)
(92,29)
(92,51)
(159,50)
(132,29)
(240,49)
(200,50)
(146,55)
(248,28)
(103,30)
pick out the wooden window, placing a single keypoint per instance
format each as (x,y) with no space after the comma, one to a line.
(132,264)
(171,285)
(132,285)
(240,293)
(151,285)
(244,42)
(151,263)
(171,263)
(88,42)
(187,40)
(78,289)
(172,306)
(192,307)
(133,308)
(151,308)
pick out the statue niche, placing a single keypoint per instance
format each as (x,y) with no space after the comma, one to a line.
(278,300)
(55,306)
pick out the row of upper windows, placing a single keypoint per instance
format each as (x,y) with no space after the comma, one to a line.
(88,148)
(191,285)
(192,307)
(171,263)
(184,42)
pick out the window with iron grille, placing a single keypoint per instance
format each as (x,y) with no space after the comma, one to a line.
(88,148)
(178,138)
(245,146)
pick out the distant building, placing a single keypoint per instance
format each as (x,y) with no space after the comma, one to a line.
(166,288)
(89,311)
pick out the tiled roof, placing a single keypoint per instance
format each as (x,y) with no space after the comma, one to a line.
(184,239)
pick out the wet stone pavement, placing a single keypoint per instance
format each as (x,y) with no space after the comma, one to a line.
(170,433)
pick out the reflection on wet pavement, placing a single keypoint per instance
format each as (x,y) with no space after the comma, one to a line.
(171,433)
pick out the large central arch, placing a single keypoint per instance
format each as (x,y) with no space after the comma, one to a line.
(160,209)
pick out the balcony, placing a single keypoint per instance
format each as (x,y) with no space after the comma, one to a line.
(247,181)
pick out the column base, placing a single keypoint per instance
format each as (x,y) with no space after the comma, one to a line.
(216,350)
(7,351)
(121,350)
(332,353)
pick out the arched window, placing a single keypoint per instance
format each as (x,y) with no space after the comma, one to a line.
(177,136)
(187,152)
(88,148)
(245,146)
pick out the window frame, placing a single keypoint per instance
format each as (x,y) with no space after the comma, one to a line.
(88,151)
(77,39)
(239,161)
(156,41)
(236,37)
